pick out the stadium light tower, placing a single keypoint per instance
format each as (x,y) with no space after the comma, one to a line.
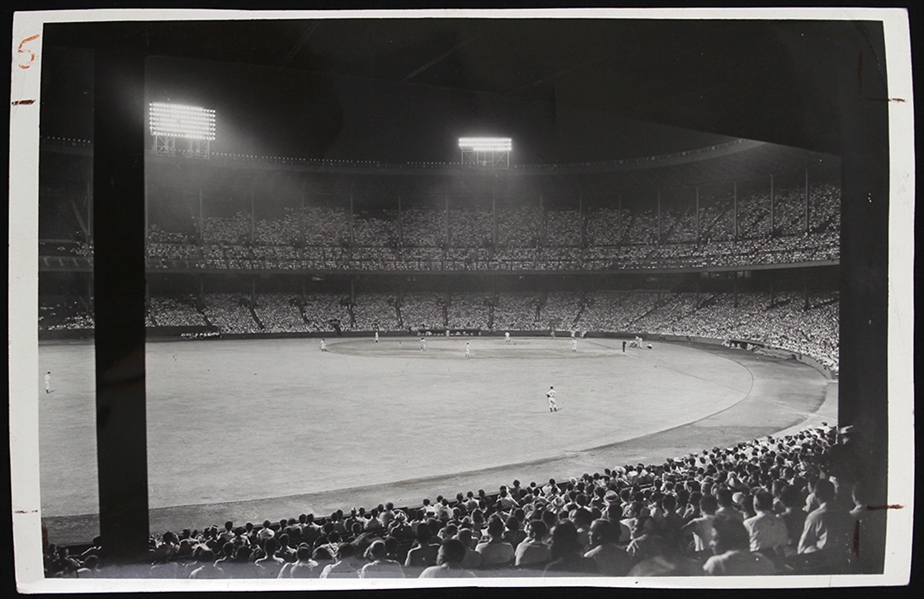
(486,151)
(192,124)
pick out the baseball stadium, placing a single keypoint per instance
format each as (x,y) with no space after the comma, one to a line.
(449,299)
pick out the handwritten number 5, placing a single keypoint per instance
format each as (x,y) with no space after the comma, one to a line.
(31,54)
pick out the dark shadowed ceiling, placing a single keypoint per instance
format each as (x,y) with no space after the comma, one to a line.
(566,90)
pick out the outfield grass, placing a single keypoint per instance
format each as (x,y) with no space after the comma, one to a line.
(233,421)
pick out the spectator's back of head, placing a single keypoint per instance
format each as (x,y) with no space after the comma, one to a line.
(763,501)
(346,550)
(824,490)
(451,552)
(729,534)
(708,504)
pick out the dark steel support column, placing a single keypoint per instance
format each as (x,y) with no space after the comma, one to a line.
(118,191)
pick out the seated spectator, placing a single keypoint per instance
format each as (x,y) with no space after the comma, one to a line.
(208,569)
(611,559)
(226,561)
(725,498)
(533,551)
(582,519)
(730,544)
(285,552)
(566,555)
(513,534)
(646,539)
(449,562)
(348,565)
(701,528)
(613,513)
(793,514)
(266,532)
(380,566)
(303,567)
(495,551)
(827,532)
(270,565)
(323,557)
(767,531)
(424,551)
(472,559)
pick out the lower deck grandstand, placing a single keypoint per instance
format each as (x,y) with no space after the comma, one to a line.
(788,321)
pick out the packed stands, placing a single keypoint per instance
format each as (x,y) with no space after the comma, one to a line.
(526,238)
(776,505)
(783,320)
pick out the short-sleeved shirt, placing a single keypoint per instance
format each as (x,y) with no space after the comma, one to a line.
(531,552)
(495,553)
(767,531)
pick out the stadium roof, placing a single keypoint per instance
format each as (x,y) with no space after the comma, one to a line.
(575,90)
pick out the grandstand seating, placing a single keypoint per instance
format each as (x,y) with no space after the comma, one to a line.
(786,323)
(526,238)
(628,520)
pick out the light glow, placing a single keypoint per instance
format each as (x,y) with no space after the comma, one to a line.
(486,144)
(177,120)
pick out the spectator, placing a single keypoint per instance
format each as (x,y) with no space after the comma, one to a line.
(767,532)
(533,551)
(494,550)
(270,565)
(449,562)
(565,553)
(207,569)
(611,560)
(730,541)
(303,567)
(380,566)
(424,551)
(348,565)
(827,533)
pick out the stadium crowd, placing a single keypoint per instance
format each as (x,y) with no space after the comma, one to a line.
(783,320)
(522,238)
(776,505)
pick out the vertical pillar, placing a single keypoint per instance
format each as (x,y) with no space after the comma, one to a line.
(253,236)
(90,211)
(118,263)
(145,215)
